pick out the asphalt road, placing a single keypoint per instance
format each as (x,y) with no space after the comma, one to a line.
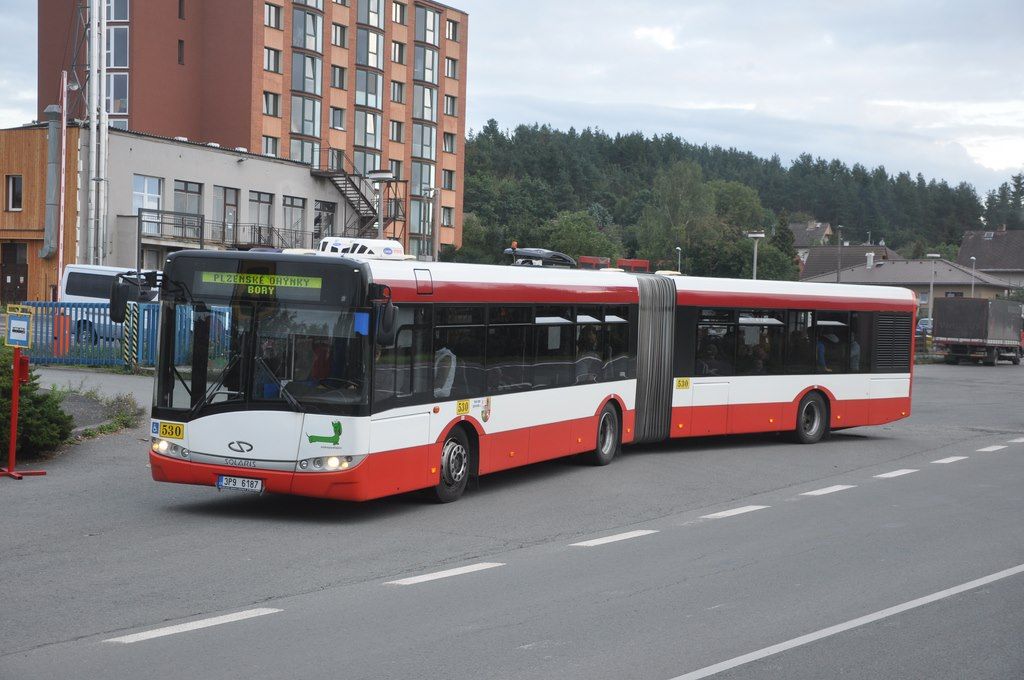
(912,575)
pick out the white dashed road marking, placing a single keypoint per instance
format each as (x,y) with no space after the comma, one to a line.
(734,511)
(829,489)
(989,449)
(193,625)
(951,459)
(849,625)
(895,473)
(613,539)
(1018,440)
(458,571)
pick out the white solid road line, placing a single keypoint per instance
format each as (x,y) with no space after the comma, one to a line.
(829,489)
(613,539)
(1018,440)
(734,511)
(193,625)
(895,473)
(989,449)
(951,459)
(458,571)
(849,625)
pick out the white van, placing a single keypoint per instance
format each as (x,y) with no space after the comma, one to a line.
(92,283)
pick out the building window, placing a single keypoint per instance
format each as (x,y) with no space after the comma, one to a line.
(181,51)
(424,103)
(398,12)
(15,184)
(447,179)
(337,118)
(365,161)
(117,47)
(339,77)
(271,60)
(270,146)
(261,208)
(421,217)
(307,30)
(316,4)
(117,123)
(397,52)
(323,218)
(188,197)
(426,25)
(117,10)
(272,104)
(397,92)
(424,139)
(304,151)
(225,206)
(422,178)
(396,131)
(425,67)
(449,142)
(341,2)
(367,129)
(339,35)
(447,216)
(451,67)
(305,116)
(294,212)
(451,105)
(117,93)
(395,166)
(371,12)
(369,48)
(369,89)
(272,16)
(451,30)
(306,71)
(181,9)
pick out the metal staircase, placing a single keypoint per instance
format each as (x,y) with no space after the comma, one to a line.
(358,193)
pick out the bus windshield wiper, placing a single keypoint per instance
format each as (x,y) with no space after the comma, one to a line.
(215,387)
(282,388)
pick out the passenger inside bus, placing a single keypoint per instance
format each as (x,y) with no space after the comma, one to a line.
(588,355)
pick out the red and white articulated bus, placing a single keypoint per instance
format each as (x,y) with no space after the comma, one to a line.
(357,374)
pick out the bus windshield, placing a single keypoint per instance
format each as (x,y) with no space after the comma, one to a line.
(232,336)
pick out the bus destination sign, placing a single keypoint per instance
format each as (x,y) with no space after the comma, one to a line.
(265,285)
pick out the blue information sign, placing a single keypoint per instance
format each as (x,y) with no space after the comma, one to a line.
(19,330)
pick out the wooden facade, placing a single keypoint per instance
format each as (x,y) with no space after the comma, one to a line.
(24,275)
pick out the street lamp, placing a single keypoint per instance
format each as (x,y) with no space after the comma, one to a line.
(756,236)
(380,178)
(973,259)
(679,259)
(839,252)
(931,287)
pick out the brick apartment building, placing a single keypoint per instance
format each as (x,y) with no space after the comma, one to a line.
(345,86)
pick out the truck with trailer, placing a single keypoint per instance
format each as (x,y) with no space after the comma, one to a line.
(977,329)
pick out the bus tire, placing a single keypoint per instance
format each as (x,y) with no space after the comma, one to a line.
(456,465)
(609,437)
(811,419)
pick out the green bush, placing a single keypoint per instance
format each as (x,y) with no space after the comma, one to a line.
(42,423)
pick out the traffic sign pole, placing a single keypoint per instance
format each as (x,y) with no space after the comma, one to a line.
(19,334)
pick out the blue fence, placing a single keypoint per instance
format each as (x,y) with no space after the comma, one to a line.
(82,333)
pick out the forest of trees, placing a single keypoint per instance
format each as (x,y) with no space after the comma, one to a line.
(590,193)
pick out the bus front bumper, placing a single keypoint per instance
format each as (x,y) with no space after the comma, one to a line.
(351,485)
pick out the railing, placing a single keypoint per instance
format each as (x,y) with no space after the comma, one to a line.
(171,226)
(82,333)
(248,235)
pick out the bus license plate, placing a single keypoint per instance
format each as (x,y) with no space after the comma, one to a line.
(240,484)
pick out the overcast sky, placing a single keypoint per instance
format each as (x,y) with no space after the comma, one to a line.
(927,86)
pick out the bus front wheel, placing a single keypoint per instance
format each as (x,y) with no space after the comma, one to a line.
(609,437)
(455,467)
(811,419)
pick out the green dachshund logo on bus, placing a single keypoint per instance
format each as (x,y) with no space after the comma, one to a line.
(333,440)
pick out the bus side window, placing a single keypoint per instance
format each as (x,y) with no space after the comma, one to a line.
(860,342)
(800,355)
(832,348)
(458,362)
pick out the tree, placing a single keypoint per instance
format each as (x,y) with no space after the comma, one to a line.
(576,233)
(681,212)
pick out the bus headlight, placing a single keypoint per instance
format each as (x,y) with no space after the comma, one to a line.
(328,464)
(166,448)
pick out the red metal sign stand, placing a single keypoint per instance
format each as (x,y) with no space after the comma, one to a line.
(20,375)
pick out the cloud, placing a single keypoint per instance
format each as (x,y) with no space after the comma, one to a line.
(665,38)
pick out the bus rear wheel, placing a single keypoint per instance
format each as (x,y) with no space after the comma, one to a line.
(455,467)
(811,419)
(609,437)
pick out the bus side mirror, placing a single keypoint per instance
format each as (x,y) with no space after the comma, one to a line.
(120,293)
(387,324)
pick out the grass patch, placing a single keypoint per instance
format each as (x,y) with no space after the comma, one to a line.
(121,410)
